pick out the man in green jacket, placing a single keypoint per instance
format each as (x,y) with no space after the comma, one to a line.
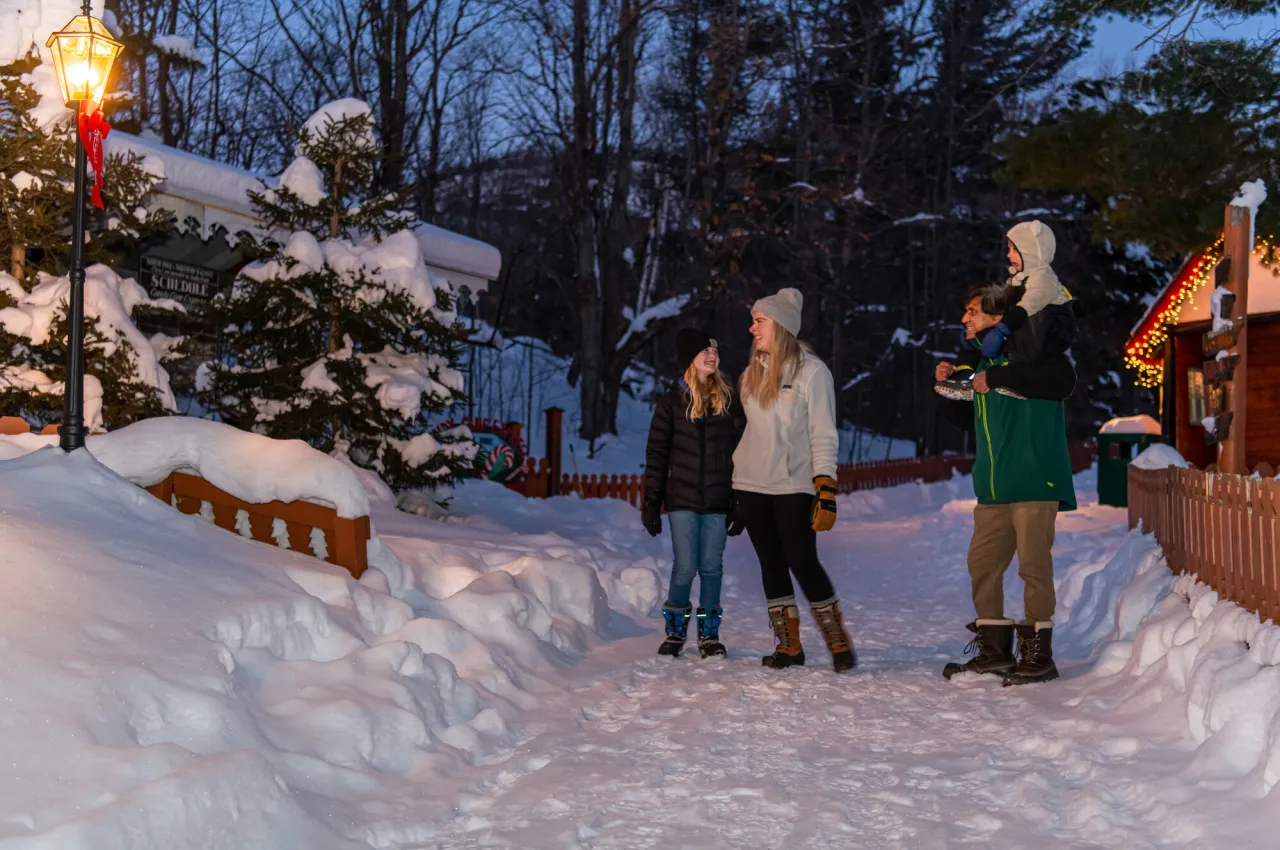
(1022,478)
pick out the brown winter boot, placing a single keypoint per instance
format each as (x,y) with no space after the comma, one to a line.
(1035,656)
(993,640)
(786,630)
(831,621)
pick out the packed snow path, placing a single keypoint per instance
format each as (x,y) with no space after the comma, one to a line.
(639,751)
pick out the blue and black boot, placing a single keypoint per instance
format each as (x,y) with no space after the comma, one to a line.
(709,632)
(677,630)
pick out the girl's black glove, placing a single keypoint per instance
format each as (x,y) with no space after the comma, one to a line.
(733,522)
(651,516)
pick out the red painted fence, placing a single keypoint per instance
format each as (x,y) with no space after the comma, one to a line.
(850,477)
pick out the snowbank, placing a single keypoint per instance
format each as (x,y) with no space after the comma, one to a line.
(1131,425)
(1159,456)
(1160,641)
(192,688)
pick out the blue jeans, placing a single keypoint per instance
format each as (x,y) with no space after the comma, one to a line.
(698,543)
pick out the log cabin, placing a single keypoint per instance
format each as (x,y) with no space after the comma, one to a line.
(1167,352)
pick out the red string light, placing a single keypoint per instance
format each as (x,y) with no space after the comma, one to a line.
(1144,352)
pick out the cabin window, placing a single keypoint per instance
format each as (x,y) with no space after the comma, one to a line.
(1197,404)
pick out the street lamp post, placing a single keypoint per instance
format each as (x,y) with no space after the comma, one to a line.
(83,53)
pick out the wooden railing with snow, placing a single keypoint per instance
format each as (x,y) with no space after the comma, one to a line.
(299,526)
(11,426)
(850,477)
(1221,528)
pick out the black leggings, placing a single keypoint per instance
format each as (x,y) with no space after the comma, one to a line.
(781,530)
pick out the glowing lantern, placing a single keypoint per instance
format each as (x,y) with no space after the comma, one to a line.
(83,53)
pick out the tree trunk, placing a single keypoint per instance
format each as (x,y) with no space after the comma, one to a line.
(164,67)
(590,325)
(18,262)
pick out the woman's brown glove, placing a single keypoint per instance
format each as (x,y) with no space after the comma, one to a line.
(824,506)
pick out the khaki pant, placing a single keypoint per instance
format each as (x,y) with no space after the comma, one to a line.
(1000,532)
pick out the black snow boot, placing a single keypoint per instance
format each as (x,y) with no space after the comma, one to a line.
(1035,656)
(709,632)
(677,630)
(785,620)
(993,639)
(831,621)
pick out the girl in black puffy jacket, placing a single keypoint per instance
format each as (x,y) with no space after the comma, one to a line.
(689,472)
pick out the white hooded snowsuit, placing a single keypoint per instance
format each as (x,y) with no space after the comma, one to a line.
(1034,241)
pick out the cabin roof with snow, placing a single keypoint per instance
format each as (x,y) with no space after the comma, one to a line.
(215,196)
(1185,301)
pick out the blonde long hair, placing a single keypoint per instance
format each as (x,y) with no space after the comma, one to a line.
(760,381)
(714,393)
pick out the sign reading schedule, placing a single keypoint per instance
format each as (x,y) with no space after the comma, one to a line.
(183,282)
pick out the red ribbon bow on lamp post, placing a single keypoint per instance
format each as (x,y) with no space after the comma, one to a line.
(93,128)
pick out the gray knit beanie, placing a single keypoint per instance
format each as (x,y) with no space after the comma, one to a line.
(784,308)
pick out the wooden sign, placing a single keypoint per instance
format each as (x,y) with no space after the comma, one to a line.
(1220,370)
(1222,340)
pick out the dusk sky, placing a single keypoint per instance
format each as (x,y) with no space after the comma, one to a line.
(1117,38)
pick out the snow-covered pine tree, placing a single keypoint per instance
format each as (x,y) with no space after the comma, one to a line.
(339,335)
(37,147)
(37,160)
(124,381)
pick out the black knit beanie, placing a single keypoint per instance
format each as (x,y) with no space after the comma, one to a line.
(690,342)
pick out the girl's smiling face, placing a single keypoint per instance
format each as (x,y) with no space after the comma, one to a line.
(707,362)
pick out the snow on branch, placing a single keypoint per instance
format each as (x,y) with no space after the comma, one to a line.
(182,48)
(857,379)
(668,309)
(919,217)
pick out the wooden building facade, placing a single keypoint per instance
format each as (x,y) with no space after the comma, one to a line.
(1167,349)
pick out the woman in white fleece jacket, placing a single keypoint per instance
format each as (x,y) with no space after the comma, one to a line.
(784,477)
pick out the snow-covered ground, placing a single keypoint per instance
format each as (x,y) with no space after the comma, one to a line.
(491,682)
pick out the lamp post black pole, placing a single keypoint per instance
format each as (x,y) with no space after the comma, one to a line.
(71,432)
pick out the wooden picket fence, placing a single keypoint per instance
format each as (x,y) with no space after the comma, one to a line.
(537,484)
(850,477)
(345,540)
(1219,527)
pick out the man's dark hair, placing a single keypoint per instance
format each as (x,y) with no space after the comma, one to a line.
(995,298)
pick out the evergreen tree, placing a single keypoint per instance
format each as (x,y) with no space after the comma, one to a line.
(124,381)
(1157,152)
(37,161)
(339,335)
(37,158)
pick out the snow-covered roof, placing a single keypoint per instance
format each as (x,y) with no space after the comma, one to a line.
(452,250)
(193,177)
(220,192)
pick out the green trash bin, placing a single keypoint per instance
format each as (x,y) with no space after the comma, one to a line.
(1120,441)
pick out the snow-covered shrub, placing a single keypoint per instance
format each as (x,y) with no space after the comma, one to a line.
(124,381)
